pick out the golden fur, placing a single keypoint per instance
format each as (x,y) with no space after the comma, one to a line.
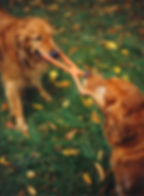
(20,63)
(123,106)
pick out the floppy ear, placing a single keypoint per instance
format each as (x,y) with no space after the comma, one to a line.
(20,38)
(20,33)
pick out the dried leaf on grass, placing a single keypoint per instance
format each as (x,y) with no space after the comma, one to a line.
(70,152)
(87,179)
(71,134)
(117,69)
(125,77)
(95,117)
(63,84)
(87,102)
(100,155)
(4,162)
(30,174)
(65,103)
(53,75)
(31,190)
(125,52)
(100,171)
(111,45)
(37,106)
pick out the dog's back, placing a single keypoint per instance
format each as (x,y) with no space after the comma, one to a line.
(5,21)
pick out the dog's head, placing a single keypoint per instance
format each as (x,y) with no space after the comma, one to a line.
(36,35)
(92,80)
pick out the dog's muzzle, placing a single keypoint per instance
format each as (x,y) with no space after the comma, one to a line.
(37,53)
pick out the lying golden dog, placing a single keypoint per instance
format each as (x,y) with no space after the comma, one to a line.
(123,106)
(22,43)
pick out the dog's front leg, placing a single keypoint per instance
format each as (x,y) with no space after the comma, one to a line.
(15,104)
(43,93)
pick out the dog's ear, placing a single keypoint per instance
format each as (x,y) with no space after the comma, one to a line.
(20,35)
(18,41)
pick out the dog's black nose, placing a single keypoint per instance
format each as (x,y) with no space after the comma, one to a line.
(54,53)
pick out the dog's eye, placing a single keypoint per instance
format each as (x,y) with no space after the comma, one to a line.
(38,38)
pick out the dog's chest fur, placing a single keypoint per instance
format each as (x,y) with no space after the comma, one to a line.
(32,75)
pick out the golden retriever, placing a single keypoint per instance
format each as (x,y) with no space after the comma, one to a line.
(21,62)
(123,107)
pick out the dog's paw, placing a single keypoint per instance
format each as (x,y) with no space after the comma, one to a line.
(47,97)
(22,126)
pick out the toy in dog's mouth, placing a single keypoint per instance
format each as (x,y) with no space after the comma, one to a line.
(66,64)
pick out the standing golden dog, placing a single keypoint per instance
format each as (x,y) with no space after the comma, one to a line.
(24,46)
(20,62)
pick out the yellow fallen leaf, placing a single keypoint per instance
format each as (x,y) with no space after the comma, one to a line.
(70,135)
(52,126)
(30,174)
(53,7)
(37,106)
(117,69)
(111,45)
(53,75)
(70,152)
(87,102)
(100,155)
(95,117)
(4,162)
(31,190)
(125,77)
(100,171)
(66,103)
(87,179)
(125,52)
(63,84)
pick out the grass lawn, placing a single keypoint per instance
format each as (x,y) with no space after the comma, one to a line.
(67,153)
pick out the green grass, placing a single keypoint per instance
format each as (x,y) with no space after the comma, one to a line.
(57,174)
